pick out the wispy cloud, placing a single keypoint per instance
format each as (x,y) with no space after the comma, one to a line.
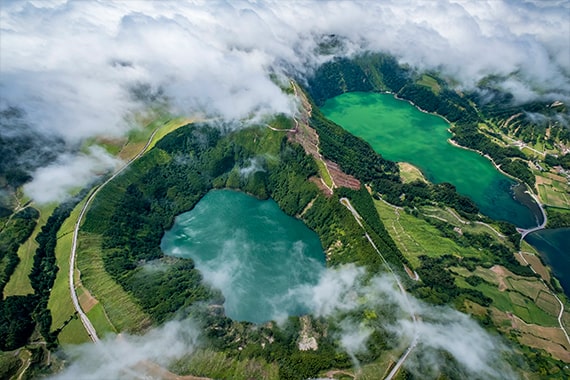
(71,64)
(443,333)
(127,356)
(69,172)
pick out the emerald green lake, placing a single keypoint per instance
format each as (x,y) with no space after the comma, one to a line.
(250,250)
(400,132)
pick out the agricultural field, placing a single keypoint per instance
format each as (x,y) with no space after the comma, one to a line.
(19,283)
(536,263)
(553,190)
(449,216)
(122,312)
(415,237)
(520,304)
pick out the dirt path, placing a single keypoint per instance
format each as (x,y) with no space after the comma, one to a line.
(330,374)
(309,139)
(415,340)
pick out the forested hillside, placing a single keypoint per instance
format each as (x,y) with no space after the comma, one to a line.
(377,72)
(129,216)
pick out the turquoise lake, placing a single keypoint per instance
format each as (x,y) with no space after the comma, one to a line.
(250,250)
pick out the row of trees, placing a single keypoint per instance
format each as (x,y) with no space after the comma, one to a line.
(16,230)
(21,314)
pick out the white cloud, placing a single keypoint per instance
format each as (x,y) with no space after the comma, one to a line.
(70,64)
(478,353)
(70,172)
(127,356)
(216,56)
(440,329)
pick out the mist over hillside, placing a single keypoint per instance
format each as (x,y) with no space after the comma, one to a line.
(77,69)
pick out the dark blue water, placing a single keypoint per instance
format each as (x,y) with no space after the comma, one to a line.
(554,248)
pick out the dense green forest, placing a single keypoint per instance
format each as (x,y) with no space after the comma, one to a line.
(172,178)
(377,72)
(134,210)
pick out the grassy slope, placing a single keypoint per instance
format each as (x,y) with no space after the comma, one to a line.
(452,218)
(60,300)
(324,173)
(19,283)
(167,127)
(430,82)
(122,310)
(415,237)
(525,298)
(410,173)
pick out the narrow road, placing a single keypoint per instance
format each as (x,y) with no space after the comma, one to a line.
(84,319)
(346,203)
(527,231)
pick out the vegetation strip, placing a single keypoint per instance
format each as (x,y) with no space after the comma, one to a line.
(557,299)
(84,319)
(346,202)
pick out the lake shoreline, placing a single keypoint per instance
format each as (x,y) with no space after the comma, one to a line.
(387,123)
(533,205)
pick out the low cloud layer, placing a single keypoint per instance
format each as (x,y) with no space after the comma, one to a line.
(441,331)
(69,172)
(128,356)
(72,65)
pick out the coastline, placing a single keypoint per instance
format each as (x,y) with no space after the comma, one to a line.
(450,140)
(528,190)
